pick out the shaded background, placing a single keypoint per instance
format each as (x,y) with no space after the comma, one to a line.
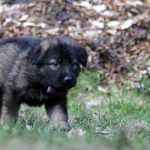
(115,33)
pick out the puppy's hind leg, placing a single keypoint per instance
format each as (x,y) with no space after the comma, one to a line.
(1,95)
(10,107)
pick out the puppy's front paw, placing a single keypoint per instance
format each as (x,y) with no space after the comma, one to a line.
(61,126)
(64,126)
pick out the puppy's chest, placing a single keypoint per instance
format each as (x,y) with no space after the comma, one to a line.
(34,97)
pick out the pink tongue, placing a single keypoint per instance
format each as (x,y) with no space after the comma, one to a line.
(50,90)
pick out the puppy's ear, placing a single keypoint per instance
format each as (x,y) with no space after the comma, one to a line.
(81,51)
(39,51)
(82,55)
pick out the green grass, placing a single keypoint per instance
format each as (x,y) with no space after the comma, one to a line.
(116,119)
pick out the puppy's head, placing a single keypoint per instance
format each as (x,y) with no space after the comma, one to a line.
(58,60)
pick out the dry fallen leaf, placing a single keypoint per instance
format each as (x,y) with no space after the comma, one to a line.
(126,24)
(102,89)
(99,8)
(113,24)
(91,103)
(76,132)
(97,24)
(106,132)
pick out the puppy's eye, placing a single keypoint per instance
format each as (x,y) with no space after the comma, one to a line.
(75,64)
(56,64)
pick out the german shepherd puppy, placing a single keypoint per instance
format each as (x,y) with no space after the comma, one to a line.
(39,71)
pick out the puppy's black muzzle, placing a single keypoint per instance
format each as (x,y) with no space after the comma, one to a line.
(69,81)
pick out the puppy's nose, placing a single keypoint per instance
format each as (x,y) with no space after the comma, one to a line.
(68,80)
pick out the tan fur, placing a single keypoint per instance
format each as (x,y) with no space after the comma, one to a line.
(44,45)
